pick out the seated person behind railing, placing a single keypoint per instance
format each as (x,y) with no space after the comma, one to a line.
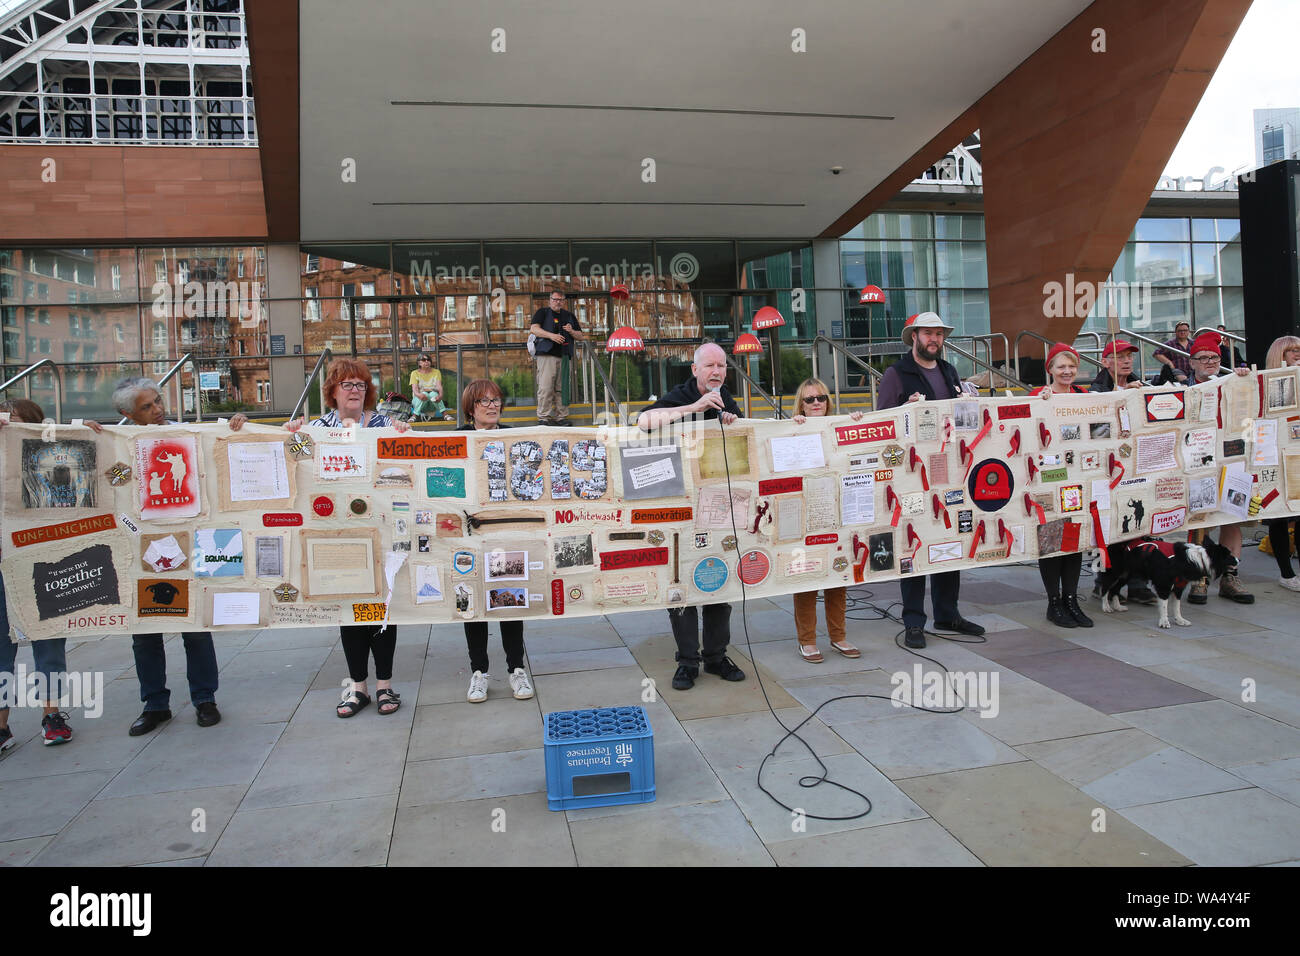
(426,390)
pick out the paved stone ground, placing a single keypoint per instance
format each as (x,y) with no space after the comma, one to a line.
(1142,729)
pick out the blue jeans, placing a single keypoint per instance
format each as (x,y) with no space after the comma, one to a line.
(50,655)
(151,668)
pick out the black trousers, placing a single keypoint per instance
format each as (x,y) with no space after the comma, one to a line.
(943,595)
(1060,574)
(717,632)
(362,640)
(1281,546)
(512,641)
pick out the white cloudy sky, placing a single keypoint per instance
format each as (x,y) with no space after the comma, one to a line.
(1260,70)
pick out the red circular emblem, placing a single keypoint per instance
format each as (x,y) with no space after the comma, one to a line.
(323,505)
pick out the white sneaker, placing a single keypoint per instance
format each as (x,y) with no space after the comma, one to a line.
(520,684)
(1291,583)
(477,688)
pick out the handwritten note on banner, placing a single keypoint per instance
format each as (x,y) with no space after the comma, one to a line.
(148,529)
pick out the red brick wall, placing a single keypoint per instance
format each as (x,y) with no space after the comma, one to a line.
(130,194)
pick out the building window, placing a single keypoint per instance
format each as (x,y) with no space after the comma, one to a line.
(449,309)
(119,334)
(182,273)
(313,263)
(313,304)
(160,271)
(116,273)
(239,260)
(1274,146)
(160,336)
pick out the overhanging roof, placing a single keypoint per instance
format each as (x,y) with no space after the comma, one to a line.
(549,138)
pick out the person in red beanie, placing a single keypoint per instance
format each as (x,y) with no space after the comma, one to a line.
(1206,367)
(1118,373)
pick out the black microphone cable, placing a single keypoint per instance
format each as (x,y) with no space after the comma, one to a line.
(809,781)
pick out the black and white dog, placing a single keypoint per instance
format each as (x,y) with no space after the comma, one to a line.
(1169,566)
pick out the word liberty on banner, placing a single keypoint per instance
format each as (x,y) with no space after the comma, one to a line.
(195,527)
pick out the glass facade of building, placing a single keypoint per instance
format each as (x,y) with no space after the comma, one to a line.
(99,313)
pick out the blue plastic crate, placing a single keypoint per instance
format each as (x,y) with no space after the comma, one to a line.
(599,758)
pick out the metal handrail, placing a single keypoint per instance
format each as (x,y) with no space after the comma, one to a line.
(976,341)
(589,351)
(58,385)
(750,383)
(872,374)
(1013,380)
(306,387)
(167,377)
(1096,337)
(1047,344)
(987,340)
(1142,359)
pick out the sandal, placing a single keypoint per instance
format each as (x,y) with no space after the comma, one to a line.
(387,696)
(810,653)
(352,704)
(847,649)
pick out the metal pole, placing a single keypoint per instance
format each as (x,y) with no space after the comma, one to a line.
(460,385)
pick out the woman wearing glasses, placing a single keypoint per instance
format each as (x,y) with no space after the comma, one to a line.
(1060,573)
(350,398)
(426,389)
(480,403)
(812,400)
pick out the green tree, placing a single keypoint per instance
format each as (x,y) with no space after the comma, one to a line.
(629,376)
(795,367)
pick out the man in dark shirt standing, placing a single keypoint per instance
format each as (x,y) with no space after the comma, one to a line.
(556,329)
(703,397)
(1177,362)
(920,374)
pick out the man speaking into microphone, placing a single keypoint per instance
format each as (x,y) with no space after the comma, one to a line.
(700,398)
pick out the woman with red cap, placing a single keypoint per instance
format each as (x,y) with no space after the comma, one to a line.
(1060,573)
(1205,368)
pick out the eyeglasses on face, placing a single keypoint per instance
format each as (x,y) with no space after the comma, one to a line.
(488,402)
(424,358)
(1206,358)
(815,398)
(353,386)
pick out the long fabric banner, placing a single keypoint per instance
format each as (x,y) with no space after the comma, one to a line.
(186,527)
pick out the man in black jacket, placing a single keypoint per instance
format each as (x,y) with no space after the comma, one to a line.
(920,374)
(556,329)
(703,397)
